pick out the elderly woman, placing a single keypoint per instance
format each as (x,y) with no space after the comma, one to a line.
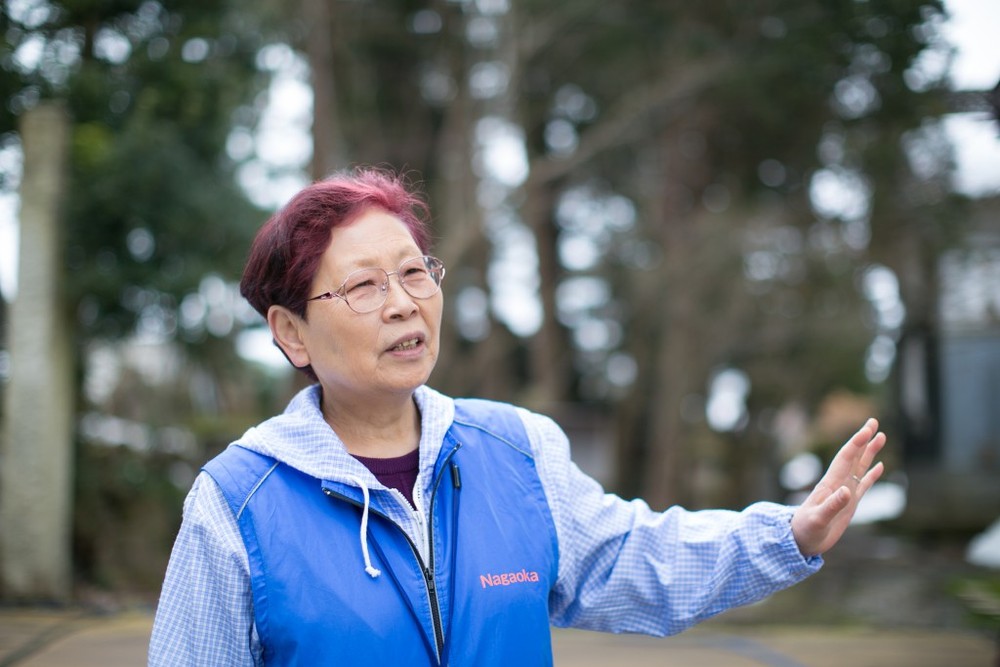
(378,521)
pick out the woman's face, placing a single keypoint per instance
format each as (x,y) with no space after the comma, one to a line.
(390,350)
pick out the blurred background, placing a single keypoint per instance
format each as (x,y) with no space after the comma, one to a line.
(708,238)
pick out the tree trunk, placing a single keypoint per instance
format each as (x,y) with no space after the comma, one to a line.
(550,349)
(36,480)
(329,152)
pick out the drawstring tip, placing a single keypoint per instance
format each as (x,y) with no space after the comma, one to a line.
(372,571)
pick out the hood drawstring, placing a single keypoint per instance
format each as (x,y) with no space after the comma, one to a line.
(372,571)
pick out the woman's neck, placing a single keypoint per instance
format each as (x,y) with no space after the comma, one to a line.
(384,430)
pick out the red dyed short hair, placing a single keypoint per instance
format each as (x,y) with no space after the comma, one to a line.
(286,252)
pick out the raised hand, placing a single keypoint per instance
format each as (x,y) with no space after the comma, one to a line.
(821,520)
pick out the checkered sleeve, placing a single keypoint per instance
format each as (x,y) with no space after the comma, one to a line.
(626,568)
(205,613)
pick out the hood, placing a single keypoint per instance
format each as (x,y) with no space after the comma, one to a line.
(301,438)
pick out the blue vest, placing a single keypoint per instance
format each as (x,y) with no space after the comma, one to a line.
(482,597)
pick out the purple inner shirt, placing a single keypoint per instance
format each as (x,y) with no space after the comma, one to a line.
(399,472)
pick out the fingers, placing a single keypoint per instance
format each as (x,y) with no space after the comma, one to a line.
(863,468)
(812,525)
(834,505)
(866,432)
(871,449)
(870,478)
(864,440)
(857,454)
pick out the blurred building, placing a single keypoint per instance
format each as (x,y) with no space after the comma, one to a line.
(949,390)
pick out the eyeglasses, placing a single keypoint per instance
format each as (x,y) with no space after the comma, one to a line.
(365,290)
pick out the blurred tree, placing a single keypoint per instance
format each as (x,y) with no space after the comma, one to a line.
(707,187)
(36,445)
(717,121)
(152,208)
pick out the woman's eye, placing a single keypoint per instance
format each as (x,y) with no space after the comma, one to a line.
(364,284)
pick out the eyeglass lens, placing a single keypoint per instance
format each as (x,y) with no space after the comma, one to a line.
(367,289)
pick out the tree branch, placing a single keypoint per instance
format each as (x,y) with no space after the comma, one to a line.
(670,90)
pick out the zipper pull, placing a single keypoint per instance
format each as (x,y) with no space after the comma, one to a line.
(456,477)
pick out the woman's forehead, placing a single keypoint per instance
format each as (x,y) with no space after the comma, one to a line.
(372,239)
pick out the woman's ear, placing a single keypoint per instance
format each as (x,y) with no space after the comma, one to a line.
(286,329)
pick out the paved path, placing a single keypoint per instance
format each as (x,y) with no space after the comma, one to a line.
(30,638)
(715,645)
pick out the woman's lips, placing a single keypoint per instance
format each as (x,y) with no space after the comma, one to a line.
(407,343)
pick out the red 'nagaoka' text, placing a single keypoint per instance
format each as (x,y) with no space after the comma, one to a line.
(507,578)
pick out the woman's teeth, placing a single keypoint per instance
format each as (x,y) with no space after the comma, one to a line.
(408,344)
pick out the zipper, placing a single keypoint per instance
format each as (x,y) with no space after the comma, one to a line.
(426,569)
(428,574)
(429,571)
(432,597)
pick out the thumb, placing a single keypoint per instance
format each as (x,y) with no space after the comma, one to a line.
(835,503)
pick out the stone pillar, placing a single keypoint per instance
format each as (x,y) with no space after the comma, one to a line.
(36,441)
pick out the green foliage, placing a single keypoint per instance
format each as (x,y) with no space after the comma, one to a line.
(980,595)
(126,516)
(153,91)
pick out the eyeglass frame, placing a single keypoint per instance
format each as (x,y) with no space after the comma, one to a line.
(386,285)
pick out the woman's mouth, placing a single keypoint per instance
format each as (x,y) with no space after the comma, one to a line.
(409,344)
